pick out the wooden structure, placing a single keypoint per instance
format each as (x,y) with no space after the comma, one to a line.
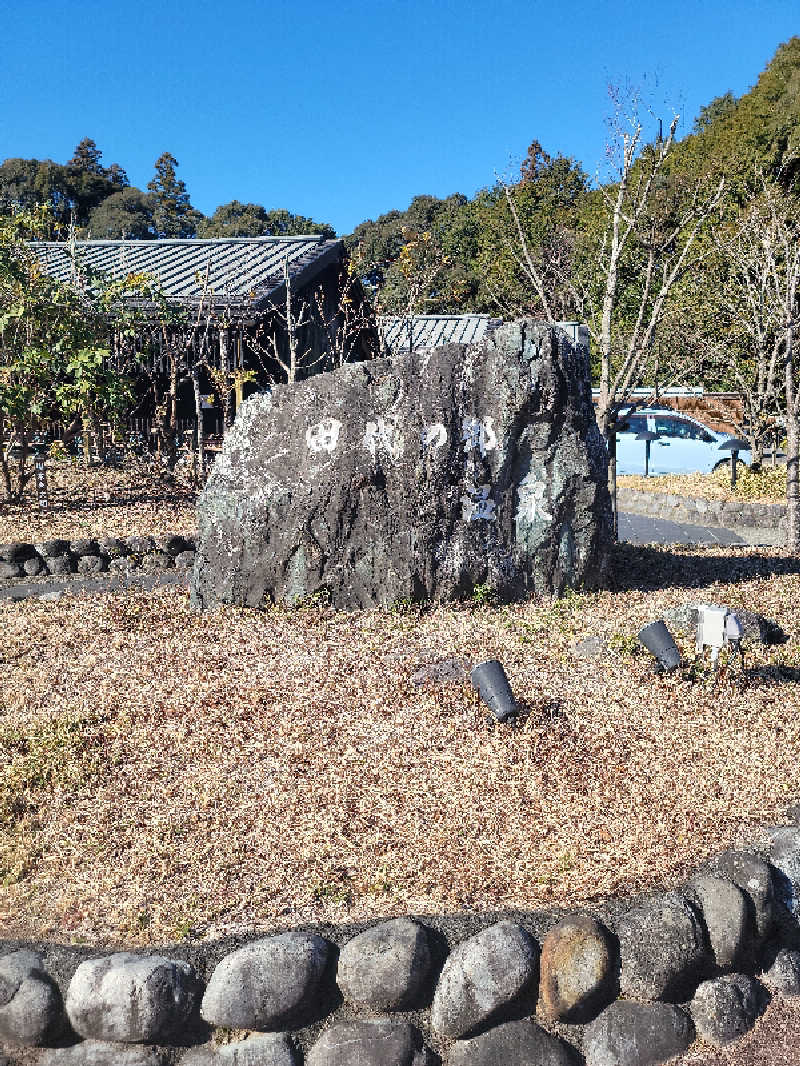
(206,322)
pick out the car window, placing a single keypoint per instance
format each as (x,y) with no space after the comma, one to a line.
(679,427)
(632,424)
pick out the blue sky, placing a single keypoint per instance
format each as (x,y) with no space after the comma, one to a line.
(343,109)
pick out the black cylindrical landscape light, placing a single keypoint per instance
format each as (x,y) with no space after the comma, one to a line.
(658,641)
(734,445)
(490,680)
(647,436)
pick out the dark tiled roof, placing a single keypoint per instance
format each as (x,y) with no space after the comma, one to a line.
(400,333)
(238,272)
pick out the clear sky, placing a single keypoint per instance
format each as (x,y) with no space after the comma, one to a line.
(343,109)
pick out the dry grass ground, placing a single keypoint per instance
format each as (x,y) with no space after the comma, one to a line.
(766,486)
(88,502)
(163,772)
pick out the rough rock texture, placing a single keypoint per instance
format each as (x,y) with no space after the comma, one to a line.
(60,564)
(15,552)
(173,544)
(663,949)
(31,1010)
(121,564)
(141,545)
(576,970)
(33,566)
(378,1042)
(91,564)
(9,570)
(414,478)
(513,1044)
(725,1008)
(84,546)
(268,1049)
(153,562)
(481,976)
(267,983)
(637,1034)
(102,1053)
(113,547)
(184,560)
(755,878)
(52,547)
(785,858)
(725,911)
(386,968)
(135,998)
(783,976)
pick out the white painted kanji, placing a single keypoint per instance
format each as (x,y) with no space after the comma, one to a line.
(434,436)
(383,435)
(531,499)
(476,503)
(479,433)
(324,436)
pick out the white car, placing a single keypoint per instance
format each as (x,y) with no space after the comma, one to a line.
(683,446)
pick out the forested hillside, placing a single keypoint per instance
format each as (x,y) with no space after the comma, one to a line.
(100,202)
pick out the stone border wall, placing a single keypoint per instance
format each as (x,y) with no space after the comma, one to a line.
(728,514)
(632,983)
(89,556)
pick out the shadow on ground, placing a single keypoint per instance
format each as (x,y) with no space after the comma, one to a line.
(640,568)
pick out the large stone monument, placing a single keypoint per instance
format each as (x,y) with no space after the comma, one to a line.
(413,478)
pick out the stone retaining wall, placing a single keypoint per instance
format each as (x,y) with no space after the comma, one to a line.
(728,514)
(630,984)
(89,556)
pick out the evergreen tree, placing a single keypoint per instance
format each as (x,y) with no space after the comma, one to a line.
(125,214)
(173,214)
(236,219)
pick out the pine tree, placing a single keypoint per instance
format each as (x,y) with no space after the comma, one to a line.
(173,214)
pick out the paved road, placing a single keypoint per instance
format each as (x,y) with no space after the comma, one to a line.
(640,529)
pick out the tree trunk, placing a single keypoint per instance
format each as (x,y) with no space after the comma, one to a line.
(198,421)
(792,482)
(87,451)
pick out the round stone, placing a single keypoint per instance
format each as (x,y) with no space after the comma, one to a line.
(521,1043)
(576,970)
(377,1042)
(33,566)
(52,547)
(663,949)
(637,1034)
(725,1008)
(138,999)
(141,545)
(113,547)
(154,562)
(91,564)
(725,912)
(267,984)
(84,546)
(481,976)
(60,564)
(783,976)
(31,1010)
(386,968)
